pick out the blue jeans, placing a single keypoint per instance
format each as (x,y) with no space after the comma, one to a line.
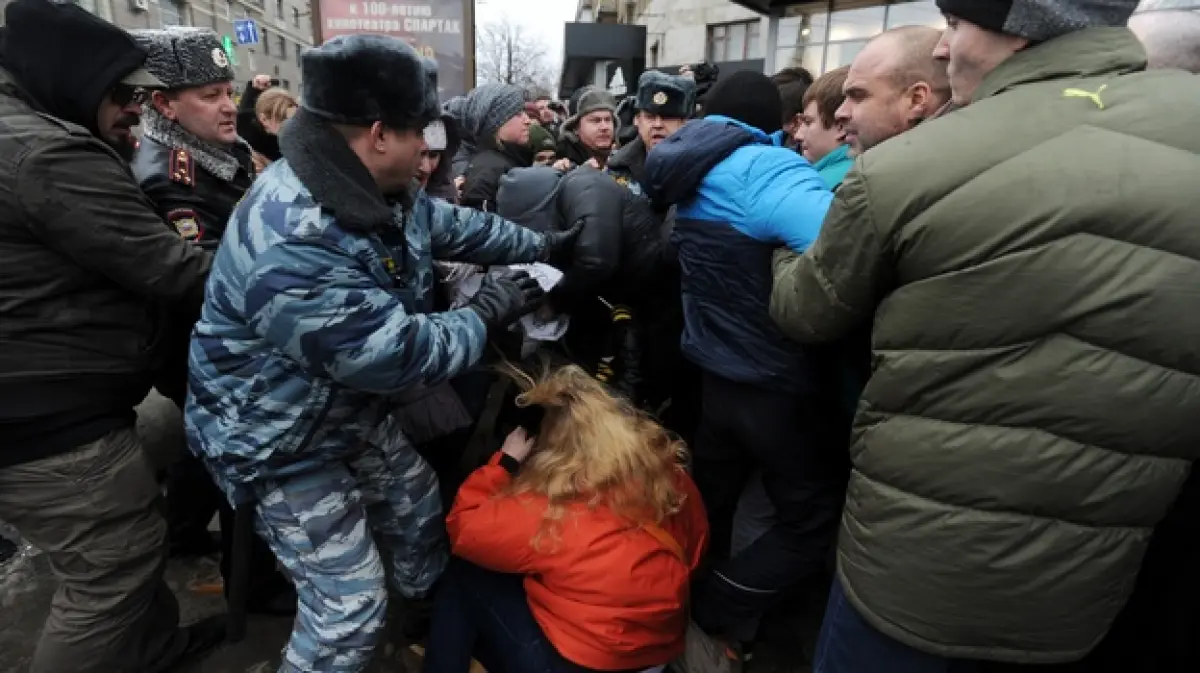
(848,644)
(485,614)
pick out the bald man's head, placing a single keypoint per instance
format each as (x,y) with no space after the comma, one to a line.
(893,84)
(1171,38)
(908,52)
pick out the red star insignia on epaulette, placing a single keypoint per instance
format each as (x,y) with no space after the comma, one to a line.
(181,168)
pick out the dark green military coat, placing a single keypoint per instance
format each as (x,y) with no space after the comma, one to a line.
(1032,267)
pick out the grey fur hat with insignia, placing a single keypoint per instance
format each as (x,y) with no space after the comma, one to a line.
(666,95)
(362,79)
(185,57)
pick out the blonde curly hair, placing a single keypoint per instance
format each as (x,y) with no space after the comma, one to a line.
(595,449)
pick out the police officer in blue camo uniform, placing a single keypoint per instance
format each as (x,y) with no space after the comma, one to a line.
(316,328)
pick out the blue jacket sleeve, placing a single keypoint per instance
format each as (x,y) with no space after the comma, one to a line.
(464,235)
(786,199)
(321,308)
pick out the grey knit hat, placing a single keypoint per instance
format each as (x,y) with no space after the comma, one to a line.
(1040,20)
(185,57)
(593,99)
(489,107)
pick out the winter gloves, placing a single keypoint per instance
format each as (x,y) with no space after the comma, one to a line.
(502,300)
(557,245)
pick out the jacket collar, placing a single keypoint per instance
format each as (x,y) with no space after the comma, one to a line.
(333,173)
(842,153)
(631,158)
(1085,53)
(218,160)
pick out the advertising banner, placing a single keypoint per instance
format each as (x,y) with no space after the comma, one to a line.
(437,29)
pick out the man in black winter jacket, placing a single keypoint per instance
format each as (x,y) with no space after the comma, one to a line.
(191,162)
(195,168)
(663,103)
(85,262)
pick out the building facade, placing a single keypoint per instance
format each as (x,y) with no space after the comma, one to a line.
(285,29)
(819,36)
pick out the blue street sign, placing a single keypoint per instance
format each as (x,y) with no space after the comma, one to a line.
(245,31)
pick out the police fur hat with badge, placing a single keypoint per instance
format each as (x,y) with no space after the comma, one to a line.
(361,79)
(185,57)
(670,96)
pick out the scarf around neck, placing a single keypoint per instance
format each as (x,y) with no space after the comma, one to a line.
(215,159)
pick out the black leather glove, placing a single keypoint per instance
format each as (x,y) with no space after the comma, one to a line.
(502,300)
(558,244)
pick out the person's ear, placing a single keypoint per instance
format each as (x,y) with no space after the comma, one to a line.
(920,101)
(162,105)
(378,134)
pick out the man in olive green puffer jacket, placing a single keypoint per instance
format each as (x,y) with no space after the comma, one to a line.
(1031,264)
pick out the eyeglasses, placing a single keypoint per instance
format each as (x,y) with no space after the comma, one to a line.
(123,95)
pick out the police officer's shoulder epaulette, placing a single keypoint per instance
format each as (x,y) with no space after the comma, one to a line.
(181,167)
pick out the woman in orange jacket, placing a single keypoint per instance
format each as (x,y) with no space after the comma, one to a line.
(573,550)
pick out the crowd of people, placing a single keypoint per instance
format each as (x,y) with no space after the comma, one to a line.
(913,333)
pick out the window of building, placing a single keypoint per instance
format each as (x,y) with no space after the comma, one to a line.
(295,17)
(838,54)
(266,41)
(100,8)
(654,55)
(279,9)
(225,9)
(856,24)
(299,52)
(282,48)
(735,41)
(171,14)
(802,34)
(286,84)
(923,13)
(1147,5)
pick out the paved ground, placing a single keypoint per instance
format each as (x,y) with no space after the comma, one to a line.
(26,588)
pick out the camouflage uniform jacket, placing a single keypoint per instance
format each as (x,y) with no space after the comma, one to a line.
(312,332)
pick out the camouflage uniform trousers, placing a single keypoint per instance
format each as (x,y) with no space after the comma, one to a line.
(320,524)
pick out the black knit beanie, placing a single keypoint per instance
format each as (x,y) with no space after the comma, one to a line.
(749,97)
(1040,20)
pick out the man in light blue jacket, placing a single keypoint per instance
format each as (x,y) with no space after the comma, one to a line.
(739,197)
(316,332)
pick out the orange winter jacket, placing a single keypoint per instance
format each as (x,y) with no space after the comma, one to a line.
(608,594)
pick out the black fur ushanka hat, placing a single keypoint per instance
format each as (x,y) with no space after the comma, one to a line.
(361,79)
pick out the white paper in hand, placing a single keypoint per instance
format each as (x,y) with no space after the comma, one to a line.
(546,275)
(537,325)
